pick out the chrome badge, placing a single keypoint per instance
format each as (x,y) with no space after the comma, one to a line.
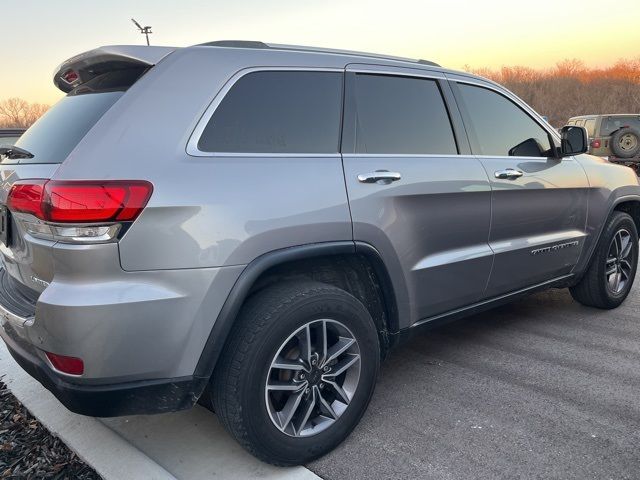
(555,248)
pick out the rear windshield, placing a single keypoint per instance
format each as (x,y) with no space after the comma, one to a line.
(58,131)
(52,138)
(611,124)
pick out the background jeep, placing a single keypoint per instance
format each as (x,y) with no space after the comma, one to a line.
(613,136)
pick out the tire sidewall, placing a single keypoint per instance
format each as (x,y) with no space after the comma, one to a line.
(615,143)
(339,306)
(619,221)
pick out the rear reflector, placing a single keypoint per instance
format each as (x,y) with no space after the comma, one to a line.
(595,144)
(80,201)
(68,365)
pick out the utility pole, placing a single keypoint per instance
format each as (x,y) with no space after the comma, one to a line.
(144,30)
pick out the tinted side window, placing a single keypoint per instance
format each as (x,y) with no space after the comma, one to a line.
(611,124)
(399,115)
(501,127)
(278,112)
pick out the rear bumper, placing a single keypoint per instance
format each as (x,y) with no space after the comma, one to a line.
(130,398)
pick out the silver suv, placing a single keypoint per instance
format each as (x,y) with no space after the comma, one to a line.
(259,224)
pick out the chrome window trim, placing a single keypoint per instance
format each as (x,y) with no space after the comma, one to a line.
(405,155)
(192,144)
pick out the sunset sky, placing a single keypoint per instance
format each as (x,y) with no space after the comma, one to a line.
(38,35)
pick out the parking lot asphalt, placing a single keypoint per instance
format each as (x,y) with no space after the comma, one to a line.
(542,388)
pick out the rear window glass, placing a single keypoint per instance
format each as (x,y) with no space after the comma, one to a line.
(399,115)
(278,112)
(611,124)
(58,131)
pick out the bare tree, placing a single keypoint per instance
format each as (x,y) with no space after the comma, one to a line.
(570,88)
(16,112)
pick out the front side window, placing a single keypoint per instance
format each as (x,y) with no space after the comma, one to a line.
(277,112)
(398,115)
(501,127)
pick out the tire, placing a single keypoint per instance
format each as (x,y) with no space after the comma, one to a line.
(265,329)
(598,287)
(625,142)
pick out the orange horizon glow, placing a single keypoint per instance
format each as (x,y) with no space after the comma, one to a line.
(459,34)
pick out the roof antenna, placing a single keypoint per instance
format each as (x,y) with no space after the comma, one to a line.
(144,30)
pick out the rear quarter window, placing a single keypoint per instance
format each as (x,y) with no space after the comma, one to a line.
(277,112)
(613,123)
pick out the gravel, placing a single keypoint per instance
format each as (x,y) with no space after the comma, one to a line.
(30,451)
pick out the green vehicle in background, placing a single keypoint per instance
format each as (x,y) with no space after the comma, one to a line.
(616,137)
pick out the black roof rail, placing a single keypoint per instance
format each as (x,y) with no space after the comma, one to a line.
(428,62)
(297,48)
(235,44)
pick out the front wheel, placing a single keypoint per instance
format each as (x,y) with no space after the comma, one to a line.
(298,371)
(613,267)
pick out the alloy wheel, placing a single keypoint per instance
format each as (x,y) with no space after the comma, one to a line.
(312,378)
(619,262)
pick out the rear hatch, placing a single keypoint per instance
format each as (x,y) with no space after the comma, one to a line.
(94,82)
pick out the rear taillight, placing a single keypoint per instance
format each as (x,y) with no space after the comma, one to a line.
(595,143)
(80,201)
(94,202)
(78,210)
(68,365)
(26,197)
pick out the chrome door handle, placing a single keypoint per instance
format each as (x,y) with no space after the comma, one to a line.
(383,177)
(508,174)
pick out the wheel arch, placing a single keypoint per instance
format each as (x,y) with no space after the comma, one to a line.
(630,206)
(625,203)
(315,260)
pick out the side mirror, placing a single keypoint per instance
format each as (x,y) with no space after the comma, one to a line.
(574,140)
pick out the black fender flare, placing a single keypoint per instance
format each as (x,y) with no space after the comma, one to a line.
(588,256)
(224,322)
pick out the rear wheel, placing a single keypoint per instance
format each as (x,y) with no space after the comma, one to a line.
(297,373)
(613,267)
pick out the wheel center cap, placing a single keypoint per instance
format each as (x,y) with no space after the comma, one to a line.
(314,376)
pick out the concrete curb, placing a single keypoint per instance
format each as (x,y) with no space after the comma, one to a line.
(108,453)
(189,444)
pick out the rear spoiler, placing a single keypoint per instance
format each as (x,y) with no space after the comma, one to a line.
(82,68)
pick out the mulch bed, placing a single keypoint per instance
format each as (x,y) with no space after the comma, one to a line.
(29,451)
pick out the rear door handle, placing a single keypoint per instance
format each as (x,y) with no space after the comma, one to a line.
(508,174)
(383,177)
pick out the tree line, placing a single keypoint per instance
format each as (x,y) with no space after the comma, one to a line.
(18,113)
(566,90)
(570,88)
